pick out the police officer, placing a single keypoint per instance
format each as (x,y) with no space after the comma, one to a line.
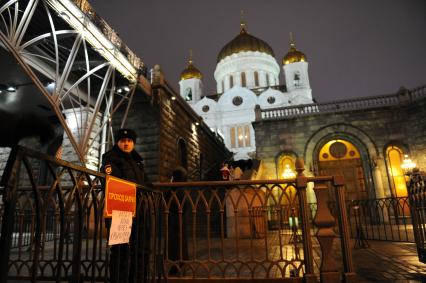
(124,162)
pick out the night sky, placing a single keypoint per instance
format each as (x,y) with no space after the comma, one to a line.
(354,48)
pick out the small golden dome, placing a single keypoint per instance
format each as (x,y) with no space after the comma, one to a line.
(244,42)
(190,71)
(293,55)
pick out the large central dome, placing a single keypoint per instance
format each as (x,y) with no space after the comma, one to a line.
(244,42)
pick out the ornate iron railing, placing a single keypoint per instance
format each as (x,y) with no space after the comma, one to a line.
(417,197)
(55,231)
(225,230)
(385,219)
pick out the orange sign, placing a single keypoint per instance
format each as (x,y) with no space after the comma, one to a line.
(119,195)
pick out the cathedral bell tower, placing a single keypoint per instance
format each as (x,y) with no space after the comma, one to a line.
(296,75)
(191,86)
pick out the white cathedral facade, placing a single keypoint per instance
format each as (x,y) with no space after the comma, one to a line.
(247,74)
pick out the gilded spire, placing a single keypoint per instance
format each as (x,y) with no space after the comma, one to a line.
(242,23)
(190,72)
(293,55)
(292,44)
(190,57)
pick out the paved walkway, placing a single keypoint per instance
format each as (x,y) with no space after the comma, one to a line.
(389,262)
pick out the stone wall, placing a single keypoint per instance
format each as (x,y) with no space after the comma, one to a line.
(160,122)
(415,125)
(179,121)
(143,117)
(370,130)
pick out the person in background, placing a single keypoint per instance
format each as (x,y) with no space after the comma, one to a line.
(225,172)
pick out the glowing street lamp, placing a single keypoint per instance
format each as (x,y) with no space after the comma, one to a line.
(407,164)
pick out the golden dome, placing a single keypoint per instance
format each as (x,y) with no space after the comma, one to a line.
(244,42)
(293,55)
(190,71)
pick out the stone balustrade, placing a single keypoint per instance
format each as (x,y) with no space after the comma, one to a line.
(402,97)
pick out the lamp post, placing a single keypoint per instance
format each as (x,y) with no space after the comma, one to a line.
(408,167)
(288,173)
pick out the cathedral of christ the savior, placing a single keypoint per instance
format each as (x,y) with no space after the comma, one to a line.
(368,140)
(246,75)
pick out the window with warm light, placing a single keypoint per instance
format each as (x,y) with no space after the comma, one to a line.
(394,157)
(247,135)
(232,135)
(240,136)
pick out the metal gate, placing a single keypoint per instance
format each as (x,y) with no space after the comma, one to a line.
(417,196)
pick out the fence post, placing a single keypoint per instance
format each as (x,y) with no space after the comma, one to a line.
(78,215)
(349,274)
(325,222)
(301,183)
(10,183)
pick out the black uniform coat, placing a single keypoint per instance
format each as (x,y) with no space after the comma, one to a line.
(127,166)
(125,259)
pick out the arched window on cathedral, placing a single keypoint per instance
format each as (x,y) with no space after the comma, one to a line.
(182,154)
(394,158)
(256,78)
(296,79)
(232,135)
(247,135)
(223,86)
(240,136)
(188,94)
(231,81)
(267,79)
(243,79)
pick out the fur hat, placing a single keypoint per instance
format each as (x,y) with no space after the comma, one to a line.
(125,133)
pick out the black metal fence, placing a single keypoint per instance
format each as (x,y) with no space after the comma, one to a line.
(417,197)
(55,230)
(385,219)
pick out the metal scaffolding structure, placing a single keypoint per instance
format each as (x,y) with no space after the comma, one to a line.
(76,61)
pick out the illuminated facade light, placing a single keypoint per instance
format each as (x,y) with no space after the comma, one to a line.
(11,89)
(288,173)
(173,97)
(407,164)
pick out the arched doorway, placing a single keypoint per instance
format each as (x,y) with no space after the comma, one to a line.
(341,157)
